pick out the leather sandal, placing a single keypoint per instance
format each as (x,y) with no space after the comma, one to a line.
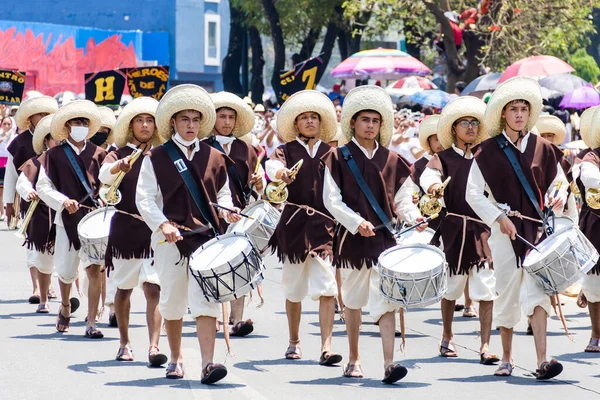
(213,373)
(447,349)
(593,346)
(92,332)
(328,358)
(393,373)
(43,309)
(548,370)
(175,371)
(504,369)
(155,357)
(353,371)
(487,358)
(293,352)
(62,323)
(125,354)
(242,328)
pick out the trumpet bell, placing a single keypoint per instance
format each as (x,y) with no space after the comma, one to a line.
(592,198)
(429,205)
(108,196)
(276,192)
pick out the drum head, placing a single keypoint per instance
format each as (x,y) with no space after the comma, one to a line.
(415,236)
(549,245)
(257,211)
(219,251)
(95,225)
(413,258)
(562,222)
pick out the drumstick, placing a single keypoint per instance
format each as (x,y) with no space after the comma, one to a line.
(410,228)
(261,154)
(189,233)
(522,239)
(231,210)
(558,185)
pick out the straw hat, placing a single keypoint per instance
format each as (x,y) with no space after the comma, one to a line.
(32,106)
(307,101)
(466,106)
(137,106)
(107,120)
(181,98)
(585,124)
(75,109)
(364,98)
(244,120)
(41,131)
(259,108)
(517,88)
(552,124)
(593,137)
(427,128)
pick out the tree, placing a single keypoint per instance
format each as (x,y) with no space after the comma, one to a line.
(585,66)
(233,60)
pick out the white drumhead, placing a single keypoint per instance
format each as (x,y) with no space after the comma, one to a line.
(415,236)
(562,222)
(411,258)
(258,210)
(218,251)
(549,245)
(95,224)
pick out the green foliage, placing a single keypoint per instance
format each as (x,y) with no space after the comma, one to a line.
(585,66)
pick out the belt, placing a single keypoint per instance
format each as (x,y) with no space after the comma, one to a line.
(465,218)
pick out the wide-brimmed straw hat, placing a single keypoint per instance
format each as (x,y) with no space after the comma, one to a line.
(307,101)
(428,128)
(462,107)
(108,120)
(137,106)
(32,106)
(593,138)
(517,88)
(585,124)
(552,124)
(181,98)
(244,119)
(369,97)
(73,110)
(42,130)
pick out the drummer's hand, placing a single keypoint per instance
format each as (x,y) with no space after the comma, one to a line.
(507,227)
(421,228)
(284,175)
(366,229)
(170,233)
(33,196)
(257,181)
(71,206)
(124,165)
(556,203)
(229,216)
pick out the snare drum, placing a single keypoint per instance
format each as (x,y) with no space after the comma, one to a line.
(227,267)
(261,228)
(413,275)
(563,259)
(93,230)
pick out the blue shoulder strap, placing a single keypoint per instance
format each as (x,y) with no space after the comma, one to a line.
(82,177)
(231,171)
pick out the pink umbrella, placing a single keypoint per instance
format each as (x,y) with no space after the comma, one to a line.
(379,64)
(536,67)
(580,98)
(413,82)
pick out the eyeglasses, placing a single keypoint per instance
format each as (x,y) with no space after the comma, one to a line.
(465,124)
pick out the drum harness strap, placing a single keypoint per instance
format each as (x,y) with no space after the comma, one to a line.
(231,171)
(77,168)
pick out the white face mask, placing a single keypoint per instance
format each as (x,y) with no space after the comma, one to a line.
(79,133)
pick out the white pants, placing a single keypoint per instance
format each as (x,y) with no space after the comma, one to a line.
(514,285)
(314,277)
(482,285)
(67,260)
(591,288)
(361,288)
(44,262)
(128,274)
(177,288)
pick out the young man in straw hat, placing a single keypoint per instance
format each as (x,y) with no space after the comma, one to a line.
(41,231)
(105,136)
(460,127)
(367,120)
(511,113)
(68,183)
(235,119)
(128,253)
(184,115)
(30,112)
(303,237)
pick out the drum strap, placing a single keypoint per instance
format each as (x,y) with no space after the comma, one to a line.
(80,175)
(231,171)
(362,184)
(192,186)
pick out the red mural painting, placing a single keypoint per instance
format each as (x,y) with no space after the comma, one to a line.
(63,66)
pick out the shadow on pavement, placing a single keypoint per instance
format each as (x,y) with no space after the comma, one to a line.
(581,358)
(175,384)
(88,367)
(361,382)
(436,359)
(18,301)
(511,380)
(255,365)
(66,337)
(368,334)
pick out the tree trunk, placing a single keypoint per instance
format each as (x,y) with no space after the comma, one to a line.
(309,43)
(258,63)
(343,44)
(328,44)
(278,44)
(593,48)
(473,43)
(414,47)
(233,60)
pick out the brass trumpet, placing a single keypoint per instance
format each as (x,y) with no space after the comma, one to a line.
(277,192)
(14,221)
(110,194)
(574,188)
(431,204)
(592,198)
(22,232)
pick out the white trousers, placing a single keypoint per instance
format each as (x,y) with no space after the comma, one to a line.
(128,274)
(314,277)
(361,288)
(67,260)
(482,285)
(591,288)
(44,262)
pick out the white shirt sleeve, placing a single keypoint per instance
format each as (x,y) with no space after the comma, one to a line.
(560,177)
(476,187)
(148,197)
(10,181)
(576,170)
(105,176)
(224,195)
(261,173)
(403,200)
(430,177)
(48,193)
(332,199)
(589,175)
(272,167)
(24,187)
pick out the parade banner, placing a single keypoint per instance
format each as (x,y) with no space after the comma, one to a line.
(302,77)
(12,85)
(147,81)
(105,88)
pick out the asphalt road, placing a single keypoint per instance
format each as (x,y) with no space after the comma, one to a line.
(38,362)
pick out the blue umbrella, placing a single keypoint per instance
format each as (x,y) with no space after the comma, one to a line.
(432,98)
(481,85)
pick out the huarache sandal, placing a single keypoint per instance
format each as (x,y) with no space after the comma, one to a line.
(51,294)
(582,300)
(42,309)
(242,328)
(74,302)
(470,312)
(487,358)
(213,373)
(155,357)
(593,346)
(125,354)
(353,371)
(328,358)
(34,299)
(92,333)
(447,349)
(112,320)
(548,370)
(459,307)
(62,323)
(504,369)
(393,373)
(293,352)
(175,371)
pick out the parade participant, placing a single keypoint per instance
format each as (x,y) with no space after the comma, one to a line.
(461,126)
(234,120)
(303,238)
(589,223)
(367,124)
(30,112)
(105,136)
(41,232)
(68,183)
(585,125)
(511,113)
(129,253)
(184,115)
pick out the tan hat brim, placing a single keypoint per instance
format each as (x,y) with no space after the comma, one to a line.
(552,124)
(244,118)
(428,128)
(137,106)
(75,109)
(467,106)
(42,130)
(302,102)
(32,106)
(585,124)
